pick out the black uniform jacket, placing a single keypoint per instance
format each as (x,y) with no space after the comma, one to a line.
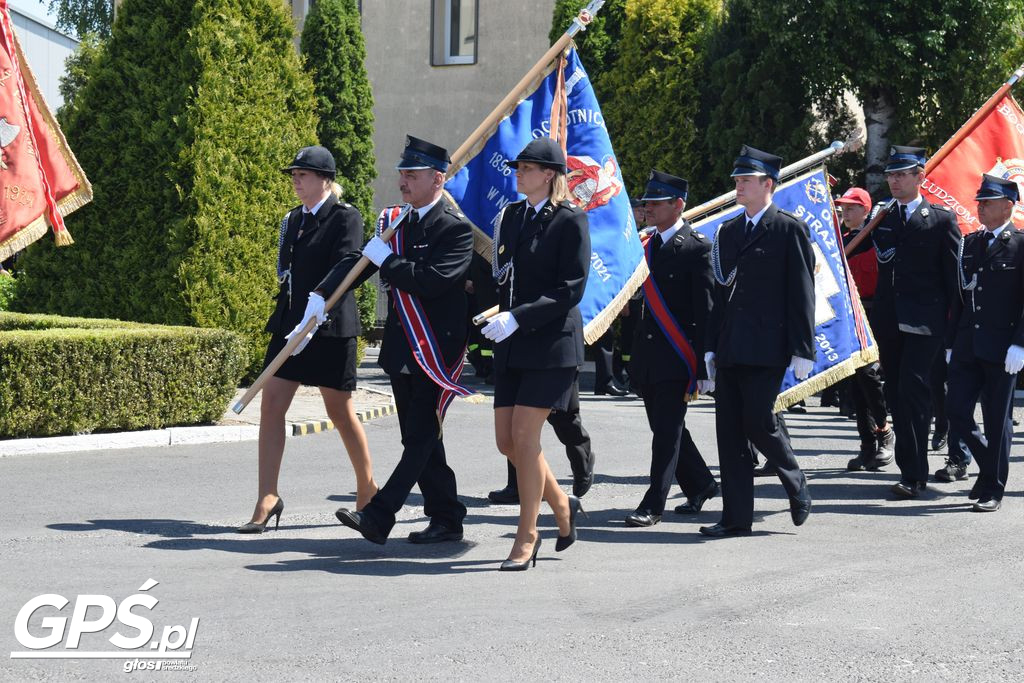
(438,249)
(917,287)
(989,318)
(335,230)
(682,271)
(551,260)
(767,316)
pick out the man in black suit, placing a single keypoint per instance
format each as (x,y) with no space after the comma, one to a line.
(666,368)
(986,337)
(437,248)
(761,324)
(916,245)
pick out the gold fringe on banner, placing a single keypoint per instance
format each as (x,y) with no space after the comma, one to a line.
(837,372)
(24,237)
(83,195)
(603,320)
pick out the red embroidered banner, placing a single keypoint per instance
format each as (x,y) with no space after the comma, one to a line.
(40,179)
(996,147)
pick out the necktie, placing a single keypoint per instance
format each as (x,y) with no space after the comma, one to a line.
(530,215)
(656,243)
(989,240)
(749,230)
(903,214)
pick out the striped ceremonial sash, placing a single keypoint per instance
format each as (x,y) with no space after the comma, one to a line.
(419,333)
(668,324)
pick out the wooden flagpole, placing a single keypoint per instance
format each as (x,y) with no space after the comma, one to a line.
(515,94)
(851,145)
(339,292)
(958,137)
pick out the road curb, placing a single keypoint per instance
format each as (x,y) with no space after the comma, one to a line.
(173,436)
(318,426)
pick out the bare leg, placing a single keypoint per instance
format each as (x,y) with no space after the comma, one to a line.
(276,397)
(535,480)
(343,414)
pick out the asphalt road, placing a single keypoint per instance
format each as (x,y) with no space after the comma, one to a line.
(868,589)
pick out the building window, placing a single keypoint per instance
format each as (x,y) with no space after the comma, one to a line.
(453,26)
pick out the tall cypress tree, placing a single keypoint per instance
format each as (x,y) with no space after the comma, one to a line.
(335,54)
(599,45)
(182,126)
(652,96)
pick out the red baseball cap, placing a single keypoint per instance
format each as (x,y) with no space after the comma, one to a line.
(856,195)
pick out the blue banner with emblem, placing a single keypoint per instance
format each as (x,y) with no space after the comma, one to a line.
(485,184)
(842,337)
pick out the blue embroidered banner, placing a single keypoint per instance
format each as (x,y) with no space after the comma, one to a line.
(485,184)
(842,338)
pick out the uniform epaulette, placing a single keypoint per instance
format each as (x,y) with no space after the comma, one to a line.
(941,207)
(455,212)
(791,215)
(699,236)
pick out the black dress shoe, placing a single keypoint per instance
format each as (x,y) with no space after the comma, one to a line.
(582,481)
(866,456)
(799,408)
(987,505)
(939,440)
(506,496)
(611,389)
(693,505)
(951,472)
(641,517)
(800,506)
(361,523)
(720,530)
(435,533)
(907,489)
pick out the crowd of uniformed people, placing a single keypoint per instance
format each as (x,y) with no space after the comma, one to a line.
(725,316)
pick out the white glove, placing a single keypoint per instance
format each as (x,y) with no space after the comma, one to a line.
(709,363)
(949,354)
(305,340)
(500,327)
(801,367)
(705,386)
(377,250)
(1014,359)
(314,310)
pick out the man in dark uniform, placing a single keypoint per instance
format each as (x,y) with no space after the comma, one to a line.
(667,367)
(762,323)
(916,244)
(986,337)
(437,246)
(865,386)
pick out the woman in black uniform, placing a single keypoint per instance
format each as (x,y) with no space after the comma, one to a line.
(314,236)
(541,259)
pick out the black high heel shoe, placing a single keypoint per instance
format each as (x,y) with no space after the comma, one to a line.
(260,527)
(510,566)
(564,542)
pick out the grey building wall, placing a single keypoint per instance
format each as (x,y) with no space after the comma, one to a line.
(443,104)
(45,51)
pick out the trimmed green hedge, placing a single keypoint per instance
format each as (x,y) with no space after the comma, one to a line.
(63,375)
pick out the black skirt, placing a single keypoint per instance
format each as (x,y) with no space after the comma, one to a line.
(325,362)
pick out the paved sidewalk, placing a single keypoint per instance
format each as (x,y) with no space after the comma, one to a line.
(305,416)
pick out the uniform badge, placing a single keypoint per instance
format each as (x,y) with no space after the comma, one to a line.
(924,212)
(501,249)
